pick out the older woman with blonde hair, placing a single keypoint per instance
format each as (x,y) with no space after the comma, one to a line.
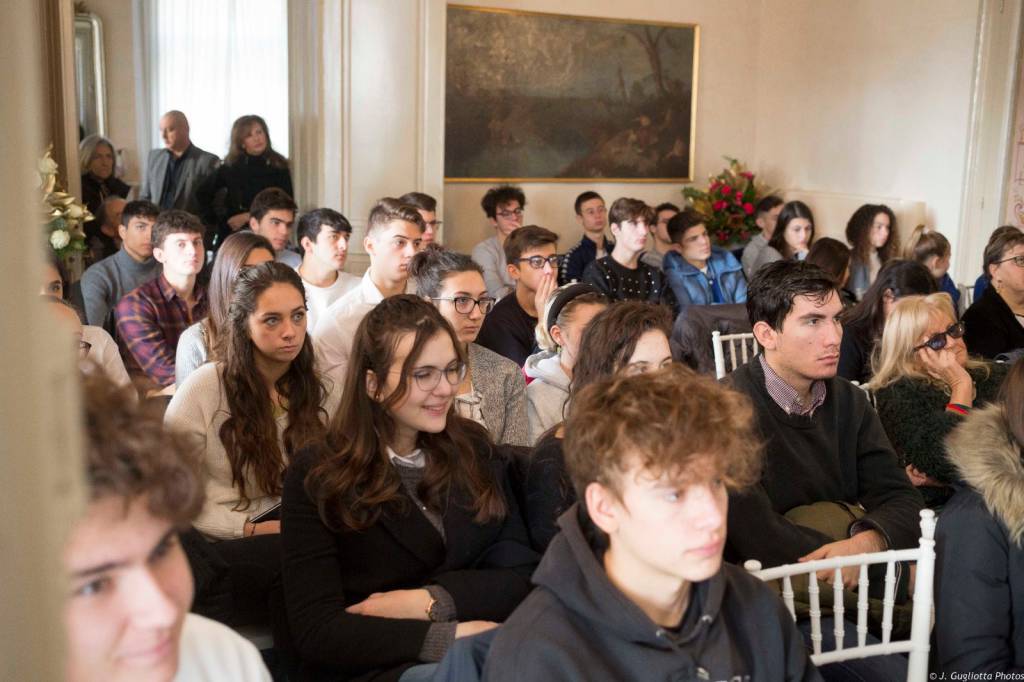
(924,384)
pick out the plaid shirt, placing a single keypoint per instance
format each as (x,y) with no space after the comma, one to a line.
(787,397)
(149,321)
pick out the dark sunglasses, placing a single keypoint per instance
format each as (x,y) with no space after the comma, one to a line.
(938,341)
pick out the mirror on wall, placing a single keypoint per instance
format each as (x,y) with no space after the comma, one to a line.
(90,80)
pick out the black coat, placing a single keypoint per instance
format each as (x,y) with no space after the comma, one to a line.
(979,562)
(238,183)
(990,327)
(485,568)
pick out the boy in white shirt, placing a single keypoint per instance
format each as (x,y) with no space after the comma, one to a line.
(324,235)
(130,585)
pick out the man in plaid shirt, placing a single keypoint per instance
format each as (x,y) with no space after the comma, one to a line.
(152,317)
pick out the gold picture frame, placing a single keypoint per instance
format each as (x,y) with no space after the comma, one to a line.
(543,97)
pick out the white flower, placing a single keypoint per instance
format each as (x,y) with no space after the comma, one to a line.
(47,166)
(59,239)
(75,211)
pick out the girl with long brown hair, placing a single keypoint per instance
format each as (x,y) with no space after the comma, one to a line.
(250,166)
(199,343)
(400,533)
(871,232)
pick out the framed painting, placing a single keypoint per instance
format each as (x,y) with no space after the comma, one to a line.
(531,96)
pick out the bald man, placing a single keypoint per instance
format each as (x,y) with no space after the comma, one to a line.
(174,172)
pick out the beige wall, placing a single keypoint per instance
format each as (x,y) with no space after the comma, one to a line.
(725,113)
(118,45)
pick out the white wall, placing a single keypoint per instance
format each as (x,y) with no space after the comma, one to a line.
(869,97)
(726,113)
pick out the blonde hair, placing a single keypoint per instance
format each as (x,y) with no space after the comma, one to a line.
(543,334)
(894,357)
(925,243)
(87,149)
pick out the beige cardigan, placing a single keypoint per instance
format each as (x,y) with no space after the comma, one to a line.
(198,409)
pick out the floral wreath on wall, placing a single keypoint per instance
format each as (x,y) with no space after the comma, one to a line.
(65,215)
(729,204)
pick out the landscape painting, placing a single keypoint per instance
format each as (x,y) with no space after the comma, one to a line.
(533,96)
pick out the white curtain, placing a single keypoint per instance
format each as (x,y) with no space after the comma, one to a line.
(215,60)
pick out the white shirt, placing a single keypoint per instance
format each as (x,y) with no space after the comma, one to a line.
(336,329)
(415,459)
(318,299)
(103,351)
(212,652)
(289,258)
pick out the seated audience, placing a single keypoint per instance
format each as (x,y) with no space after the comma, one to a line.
(863,323)
(982,282)
(400,533)
(871,233)
(593,219)
(624,338)
(127,614)
(250,167)
(699,273)
(175,172)
(105,283)
(792,237)
(493,392)
(393,233)
(152,317)
(634,586)
(831,484)
(503,205)
(765,216)
(324,236)
(532,264)
(99,162)
(102,235)
(994,322)
(621,275)
(245,416)
(979,613)
(932,250)
(662,242)
(201,342)
(924,384)
(427,207)
(833,256)
(272,215)
(567,313)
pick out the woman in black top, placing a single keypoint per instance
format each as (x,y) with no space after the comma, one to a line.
(250,167)
(628,337)
(98,158)
(400,533)
(994,322)
(863,324)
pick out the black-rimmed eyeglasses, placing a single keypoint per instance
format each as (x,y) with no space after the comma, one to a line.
(537,262)
(938,341)
(465,304)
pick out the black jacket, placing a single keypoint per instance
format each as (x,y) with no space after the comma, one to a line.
(839,454)
(239,183)
(979,562)
(990,327)
(548,491)
(485,568)
(578,626)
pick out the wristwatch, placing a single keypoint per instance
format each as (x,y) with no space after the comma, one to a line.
(431,613)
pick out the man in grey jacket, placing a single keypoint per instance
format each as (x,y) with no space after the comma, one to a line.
(175,172)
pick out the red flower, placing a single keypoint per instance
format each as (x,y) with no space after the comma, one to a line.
(748,208)
(726,190)
(743,235)
(748,175)
(722,236)
(714,185)
(739,194)
(718,205)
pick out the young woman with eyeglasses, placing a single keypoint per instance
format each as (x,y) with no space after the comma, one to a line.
(924,384)
(628,337)
(863,323)
(493,391)
(995,322)
(400,533)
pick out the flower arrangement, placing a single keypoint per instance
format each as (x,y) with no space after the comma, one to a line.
(728,204)
(65,214)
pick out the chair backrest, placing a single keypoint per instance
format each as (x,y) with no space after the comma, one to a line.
(741,348)
(966,296)
(920,627)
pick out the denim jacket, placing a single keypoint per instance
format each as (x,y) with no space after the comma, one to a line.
(691,286)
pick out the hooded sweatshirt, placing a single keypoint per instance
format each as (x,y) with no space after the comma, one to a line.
(576,625)
(979,559)
(547,393)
